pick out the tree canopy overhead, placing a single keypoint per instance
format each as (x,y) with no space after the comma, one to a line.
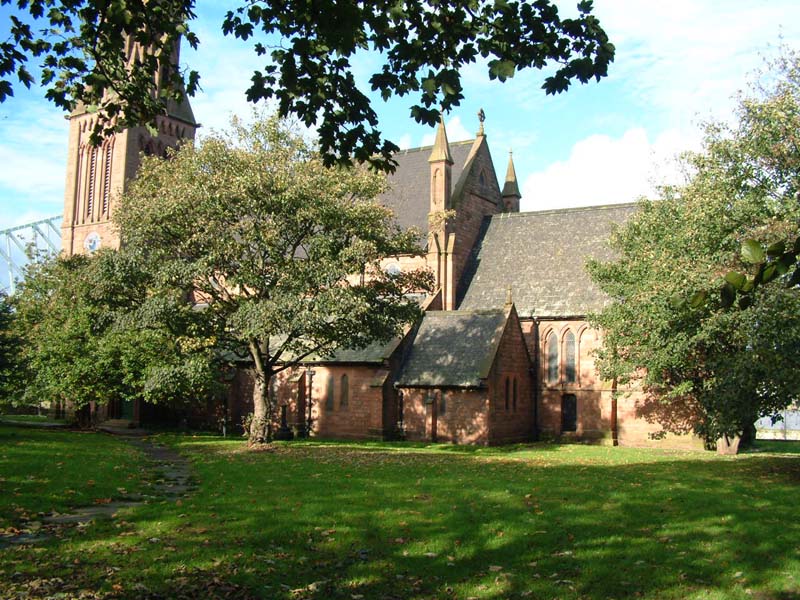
(308,51)
(705,364)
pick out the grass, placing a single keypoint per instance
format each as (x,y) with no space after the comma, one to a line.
(32,419)
(370,520)
(45,471)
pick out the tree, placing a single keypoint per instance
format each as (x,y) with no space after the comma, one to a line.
(307,48)
(279,253)
(74,318)
(703,363)
(9,349)
(772,259)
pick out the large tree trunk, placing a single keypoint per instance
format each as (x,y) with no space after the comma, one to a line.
(258,425)
(261,424)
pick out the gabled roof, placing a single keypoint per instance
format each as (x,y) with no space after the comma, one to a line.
(409,194)
(376,353)
(453,349)
(542,256)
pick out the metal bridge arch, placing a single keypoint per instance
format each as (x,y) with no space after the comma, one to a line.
(21,244)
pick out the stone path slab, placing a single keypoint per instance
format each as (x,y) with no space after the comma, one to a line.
(173,480)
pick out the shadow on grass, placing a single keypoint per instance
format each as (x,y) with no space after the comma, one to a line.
(320,520)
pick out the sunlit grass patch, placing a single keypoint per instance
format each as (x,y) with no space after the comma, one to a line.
(44,471)
(316,519)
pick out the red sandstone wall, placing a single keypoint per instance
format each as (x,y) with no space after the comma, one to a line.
(362,417)
(464,420)
(512,424)
(478,200)
(594,400)
(593,395)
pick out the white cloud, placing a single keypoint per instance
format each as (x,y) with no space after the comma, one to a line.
(456,132)
(33,152)
(404,143)
(606,170)
(686,58)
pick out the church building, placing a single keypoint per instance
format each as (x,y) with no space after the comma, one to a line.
(503,352)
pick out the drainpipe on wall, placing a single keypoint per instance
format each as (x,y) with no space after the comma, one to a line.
(614,425)
(536,379)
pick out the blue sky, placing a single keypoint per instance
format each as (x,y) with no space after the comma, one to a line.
(678,63)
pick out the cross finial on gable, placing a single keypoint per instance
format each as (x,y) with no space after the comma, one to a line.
(509,299)
(481,119)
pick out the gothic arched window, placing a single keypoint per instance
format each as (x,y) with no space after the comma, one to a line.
(344,392)
(91,182)
(569,357)
(552,357)
(508,392)
(329,393)
(109,153)
(514,396)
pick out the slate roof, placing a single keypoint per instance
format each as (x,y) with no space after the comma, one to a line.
(453,349)
(376,352)
(542,256)
(409,194)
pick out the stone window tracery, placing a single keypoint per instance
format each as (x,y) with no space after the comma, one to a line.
(109,153)
(569,358)
(552,358)
(91,182)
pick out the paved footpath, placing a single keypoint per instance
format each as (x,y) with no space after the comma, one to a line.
(173,480)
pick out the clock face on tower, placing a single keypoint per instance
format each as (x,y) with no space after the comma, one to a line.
(92,242)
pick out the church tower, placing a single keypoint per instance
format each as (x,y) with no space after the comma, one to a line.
(97,175)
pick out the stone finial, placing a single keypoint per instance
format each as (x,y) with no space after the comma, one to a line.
(481,119)
(441,147)
(509,299)
(510,188)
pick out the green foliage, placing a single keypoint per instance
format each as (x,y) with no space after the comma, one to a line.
(9,349)
(308,49)
(84,51)
(704,365)
(280,252)
(86,336)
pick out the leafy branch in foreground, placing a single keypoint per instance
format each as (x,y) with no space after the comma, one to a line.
(308,49)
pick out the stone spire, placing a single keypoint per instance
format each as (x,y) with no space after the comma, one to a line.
(511,195)
(441,147)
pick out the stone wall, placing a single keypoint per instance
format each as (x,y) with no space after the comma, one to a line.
(450,415)
(511,415)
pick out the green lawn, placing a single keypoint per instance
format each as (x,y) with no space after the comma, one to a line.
(32,419)
(315,520)
(53,470)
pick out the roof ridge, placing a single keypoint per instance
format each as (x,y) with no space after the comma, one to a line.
(421,148)
(473,311)
(549,211)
